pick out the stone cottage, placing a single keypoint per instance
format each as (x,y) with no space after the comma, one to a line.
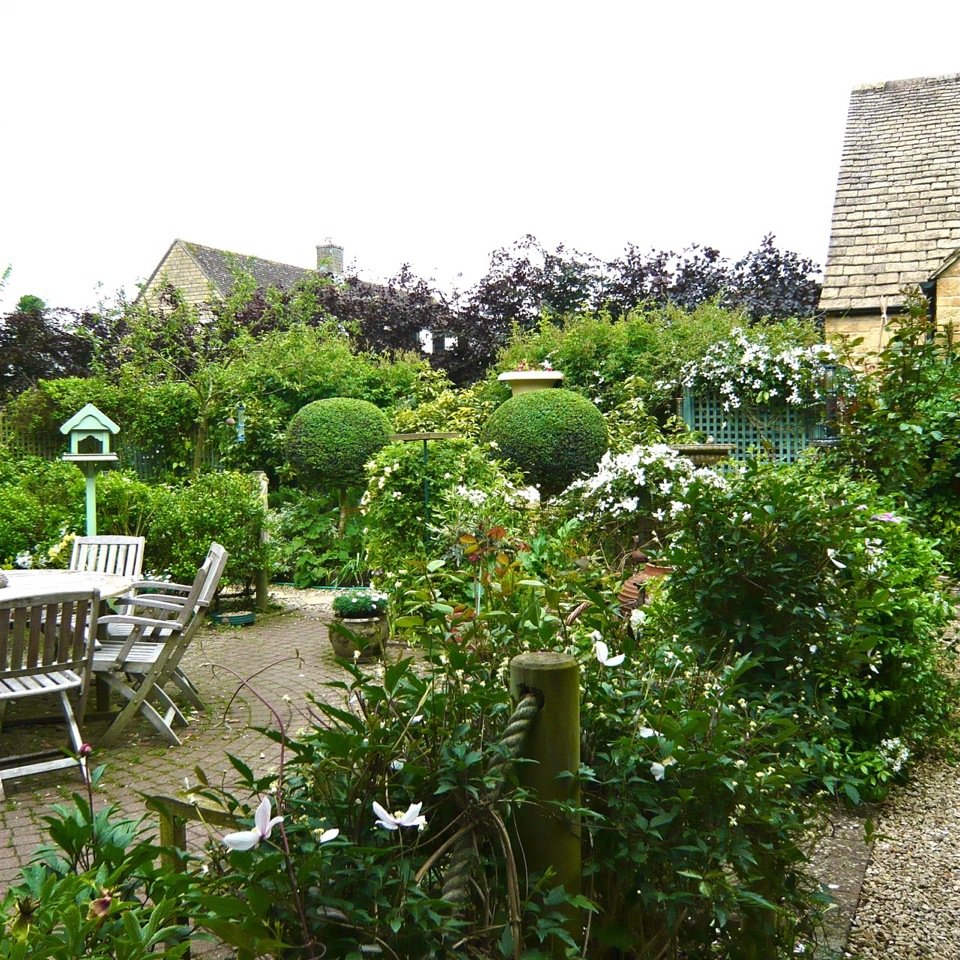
(896,215)
(202,273)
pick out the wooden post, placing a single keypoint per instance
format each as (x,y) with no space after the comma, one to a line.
(549,838)
(90,491)
(172,816)
(262,574)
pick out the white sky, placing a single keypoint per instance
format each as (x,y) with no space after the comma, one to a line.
(426,132)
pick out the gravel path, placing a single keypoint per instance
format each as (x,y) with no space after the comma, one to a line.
(910,901)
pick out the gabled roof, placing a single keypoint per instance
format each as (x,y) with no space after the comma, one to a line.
(220,266)
(896,214)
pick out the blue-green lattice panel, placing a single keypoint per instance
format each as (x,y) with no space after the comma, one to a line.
(783,433)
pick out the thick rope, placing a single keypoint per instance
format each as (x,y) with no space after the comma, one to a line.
(456,884)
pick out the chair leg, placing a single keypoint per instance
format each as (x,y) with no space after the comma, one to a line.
(172,712)
(73,732)
(103,694)
(186,686)
(136,702)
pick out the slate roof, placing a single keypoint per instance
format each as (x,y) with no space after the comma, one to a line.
(896,215)
(220,266)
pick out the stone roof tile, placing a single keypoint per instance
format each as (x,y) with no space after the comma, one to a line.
(898,191)
(221,265)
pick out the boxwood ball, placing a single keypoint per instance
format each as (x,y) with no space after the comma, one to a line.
(552,436)
(329,441)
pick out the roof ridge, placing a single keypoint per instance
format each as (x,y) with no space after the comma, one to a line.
(243,256)
(905,84)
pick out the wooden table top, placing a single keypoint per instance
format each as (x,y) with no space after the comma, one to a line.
(36,583)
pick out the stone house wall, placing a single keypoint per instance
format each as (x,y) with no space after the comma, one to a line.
(181,269)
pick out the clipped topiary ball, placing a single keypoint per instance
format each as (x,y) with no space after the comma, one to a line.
(553,436)
(329,441)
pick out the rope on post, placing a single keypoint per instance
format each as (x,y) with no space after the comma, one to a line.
(456,883)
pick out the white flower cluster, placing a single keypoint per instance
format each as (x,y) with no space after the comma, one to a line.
(894,753)
(657,470)
(472,496)
(745,370)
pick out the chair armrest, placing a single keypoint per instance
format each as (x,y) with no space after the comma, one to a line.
(155,601)
(144,622)
(143,628)
(161,585)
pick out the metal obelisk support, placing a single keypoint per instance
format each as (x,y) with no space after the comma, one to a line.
(424,437)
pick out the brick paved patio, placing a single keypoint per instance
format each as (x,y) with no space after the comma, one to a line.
(147,764)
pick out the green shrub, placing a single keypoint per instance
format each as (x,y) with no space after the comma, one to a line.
(157,420)
(330,441)
(284,371)
(395,525)
(307,546)
(834,599)
(225,507)
(461,410)
(627,504)
(552,436)
(41,501)
(901,426)
(125,503)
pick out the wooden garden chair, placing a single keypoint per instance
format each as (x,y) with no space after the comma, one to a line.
(120,555)
(46,650)
(141,650)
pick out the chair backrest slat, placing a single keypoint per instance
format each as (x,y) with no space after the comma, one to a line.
(44,634)
(107,554)
(214,564)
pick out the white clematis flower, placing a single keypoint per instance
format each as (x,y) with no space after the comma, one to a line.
(603,655)
(393,821)
(263,826)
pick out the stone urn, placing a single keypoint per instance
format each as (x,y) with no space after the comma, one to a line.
(703,454)
(365,636)
(359,626)
(525,381)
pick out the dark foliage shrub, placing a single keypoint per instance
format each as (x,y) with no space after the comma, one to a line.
(552,436)
(329,441)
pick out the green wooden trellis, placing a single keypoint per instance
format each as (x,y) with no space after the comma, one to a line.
(782,432)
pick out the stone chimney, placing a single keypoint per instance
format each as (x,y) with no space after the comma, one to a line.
(330,258)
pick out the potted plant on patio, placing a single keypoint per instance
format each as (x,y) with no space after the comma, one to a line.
(359,623)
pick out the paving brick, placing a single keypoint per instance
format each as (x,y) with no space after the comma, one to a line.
(283,655)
